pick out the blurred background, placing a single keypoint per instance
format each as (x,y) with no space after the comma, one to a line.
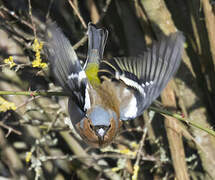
(36,141)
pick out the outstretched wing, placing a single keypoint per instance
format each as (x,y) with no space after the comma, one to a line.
(66,66)
(147,75)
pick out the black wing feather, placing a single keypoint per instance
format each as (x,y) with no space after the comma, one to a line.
(65,65)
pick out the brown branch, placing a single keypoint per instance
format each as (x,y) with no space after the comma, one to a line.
(80,43)
(10,129)
(160,15)
(174,136)
(78,14)
(210,24)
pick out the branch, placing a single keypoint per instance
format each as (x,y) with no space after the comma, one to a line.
(186,120)
(161,111)
(10,129)
(34,93)
(78,14)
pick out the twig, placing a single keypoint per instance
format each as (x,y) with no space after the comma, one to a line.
(84,39)
(80,43)
(30,13)
(10,129)
(104,10)
(49,7)
(106,6)
(26,102)
(95,157)
(78,14)
(179,117)
(13,14)
(34,93)
(136,164)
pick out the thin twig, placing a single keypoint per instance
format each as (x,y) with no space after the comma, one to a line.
(30,13)
(26,102)
(10,129)
(49,7)
(95,157)
(14,15)
(78,14)
(84,39)
(136,164)
(179,117)
(104,10)
(106,6)
(34,93)
(80,43)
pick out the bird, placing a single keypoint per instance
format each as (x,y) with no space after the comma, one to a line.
(103,93)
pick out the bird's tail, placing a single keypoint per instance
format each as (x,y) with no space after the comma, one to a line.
(96,43)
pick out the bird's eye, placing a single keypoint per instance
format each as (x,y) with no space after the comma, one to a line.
(91,127)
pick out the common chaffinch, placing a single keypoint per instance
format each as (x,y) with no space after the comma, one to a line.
(106,92)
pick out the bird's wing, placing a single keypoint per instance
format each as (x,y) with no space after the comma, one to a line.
(66,66)
(147,75)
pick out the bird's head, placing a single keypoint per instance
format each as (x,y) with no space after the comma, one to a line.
(99,127)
